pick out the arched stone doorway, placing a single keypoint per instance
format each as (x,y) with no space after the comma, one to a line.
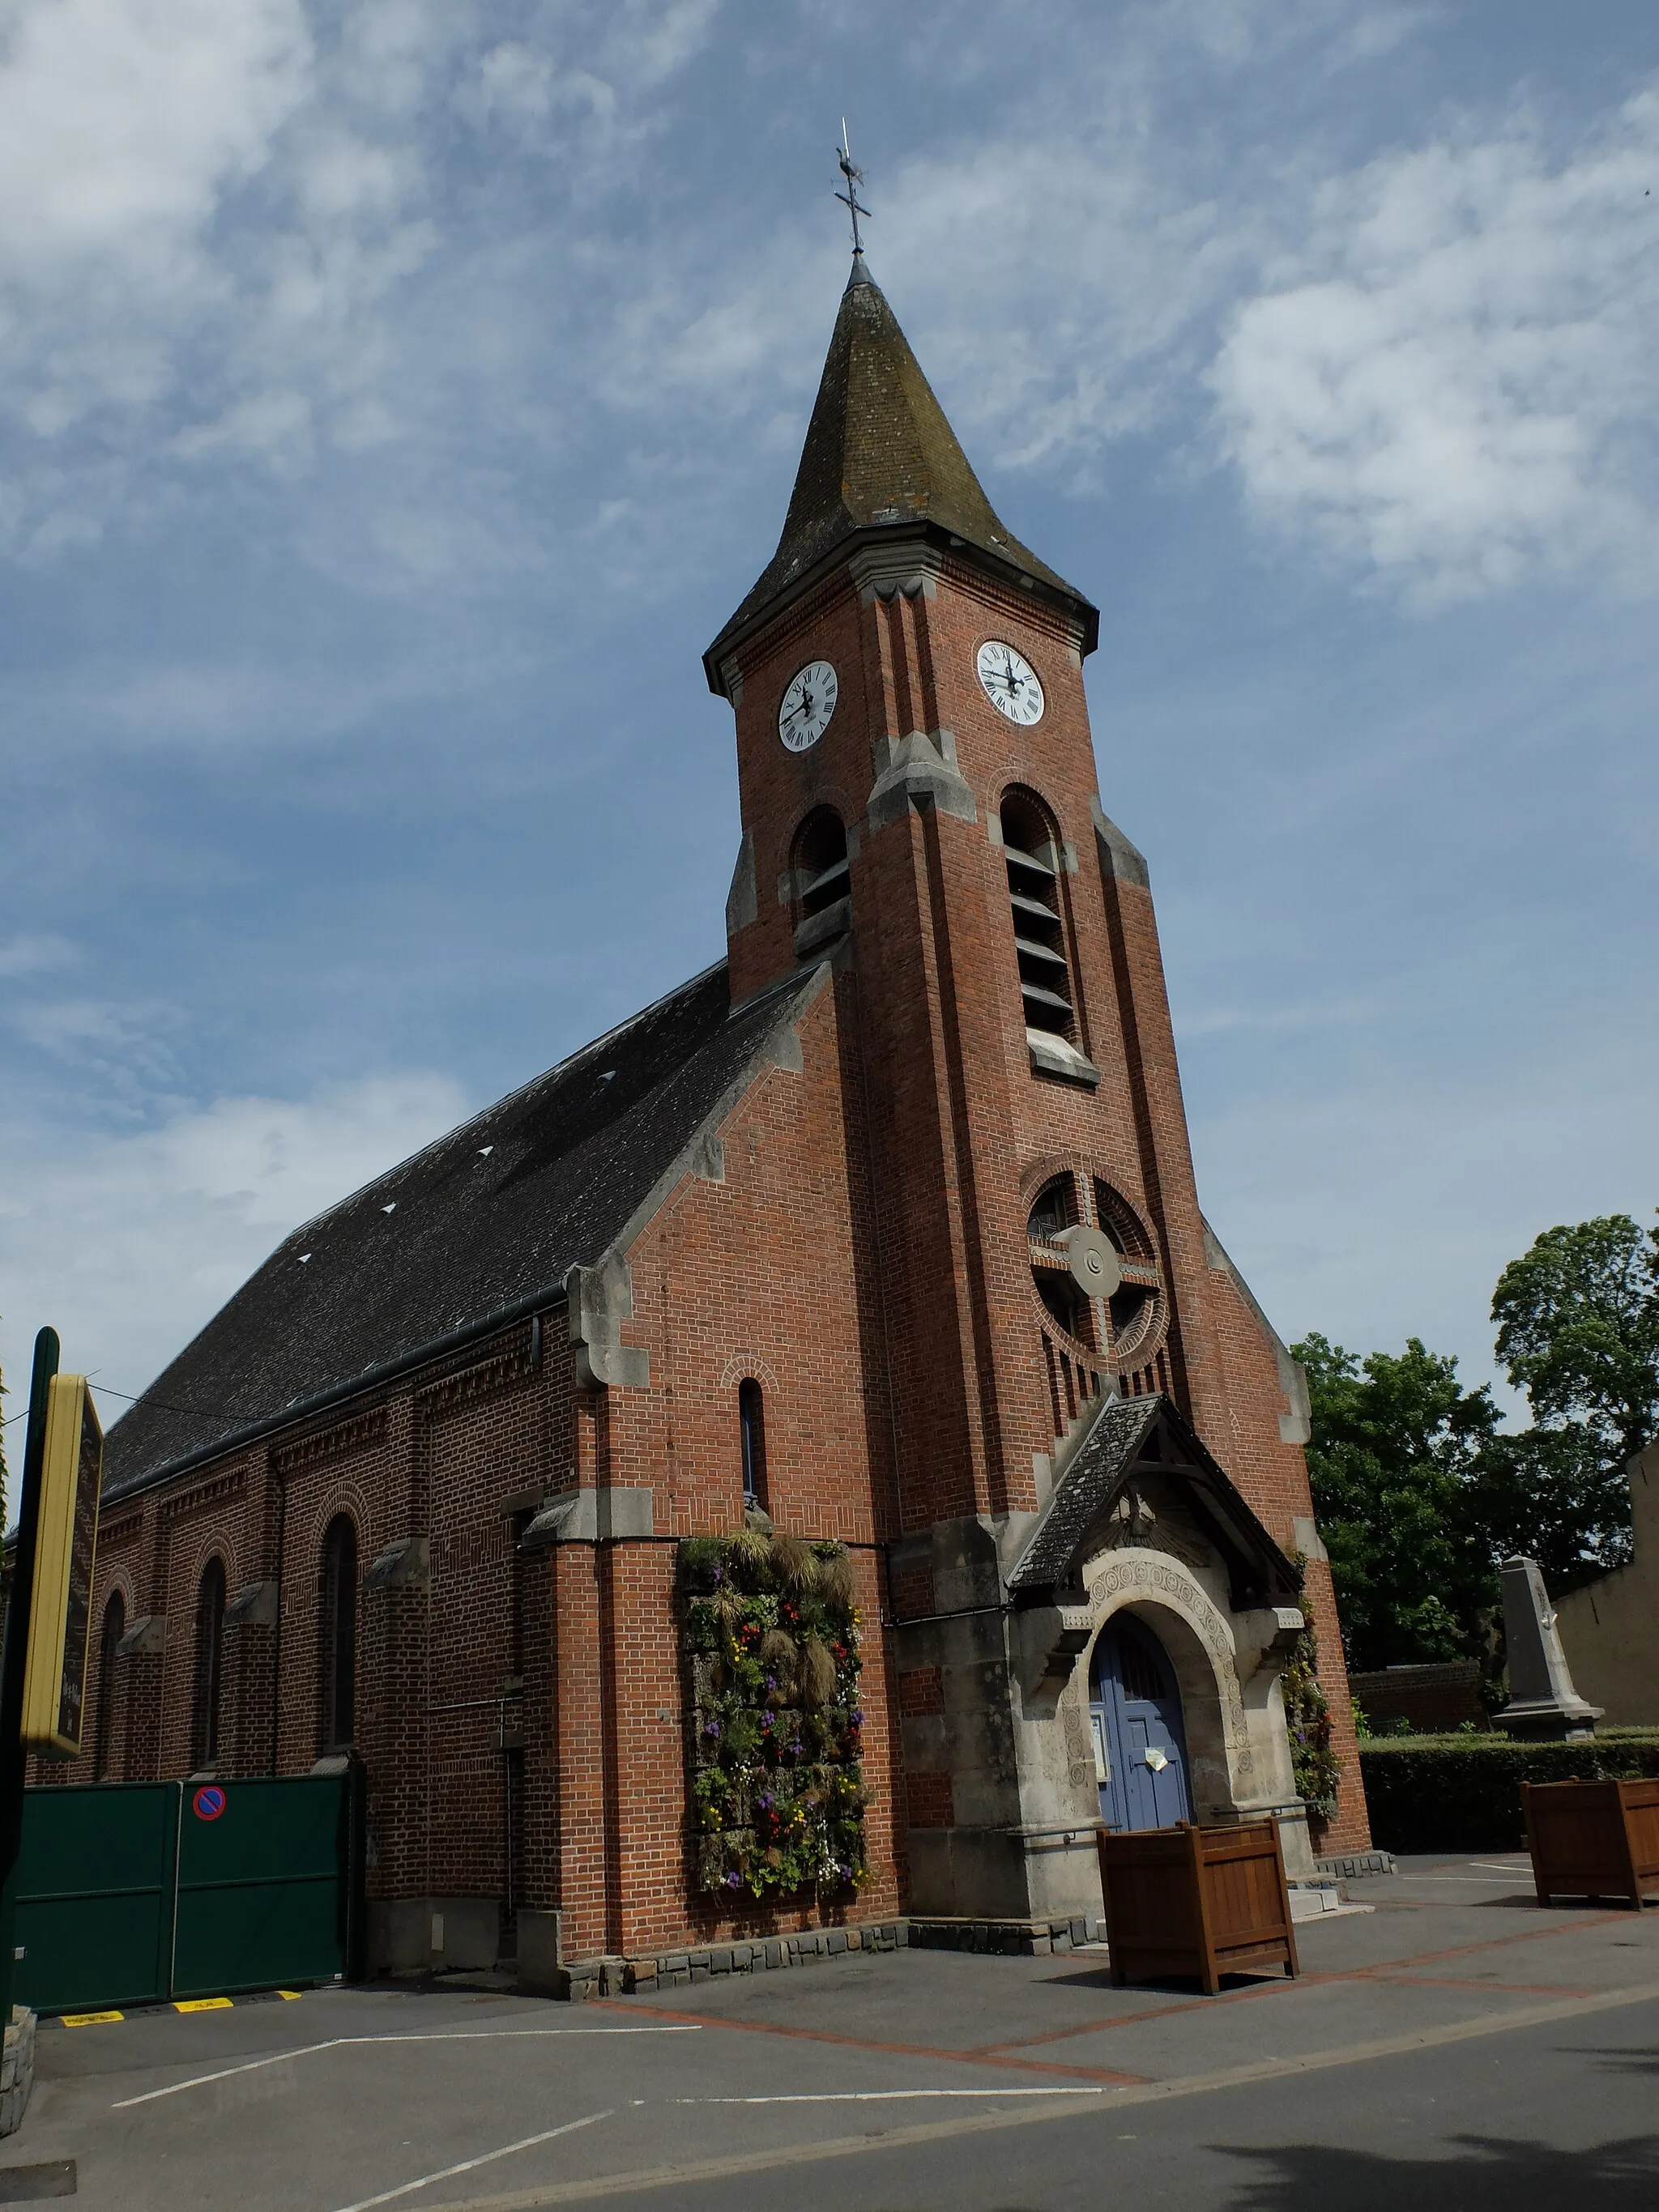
(1137,1728)
(1145,1536)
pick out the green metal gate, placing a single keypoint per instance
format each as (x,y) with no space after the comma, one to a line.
(132,1893)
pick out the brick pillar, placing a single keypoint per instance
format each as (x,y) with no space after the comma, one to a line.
(579,1748)
(140,1657)
(245,1710)
(392,1730)
(1351,1831)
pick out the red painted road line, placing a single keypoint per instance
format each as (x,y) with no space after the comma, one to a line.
(1306,1981)
(862,2043)
(1504,1988)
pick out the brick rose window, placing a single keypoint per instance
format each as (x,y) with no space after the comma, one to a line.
(1100,1296)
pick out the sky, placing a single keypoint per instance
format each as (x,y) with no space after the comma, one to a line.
(396,397)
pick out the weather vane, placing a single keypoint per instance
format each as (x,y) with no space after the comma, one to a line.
(849,199)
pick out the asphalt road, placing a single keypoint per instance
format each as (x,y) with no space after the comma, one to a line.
(1455,2047)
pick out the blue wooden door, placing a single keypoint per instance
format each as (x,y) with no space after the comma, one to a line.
(1141,1746)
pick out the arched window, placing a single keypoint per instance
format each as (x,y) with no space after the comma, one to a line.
(822,876)
(1045,972)
(103,1721)
(210,1646)
(337,1619)
(751,1429)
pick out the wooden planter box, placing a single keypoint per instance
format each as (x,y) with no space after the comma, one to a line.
(1199,1901)
(1593,1839)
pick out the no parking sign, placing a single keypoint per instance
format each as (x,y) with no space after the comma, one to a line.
(209,1802)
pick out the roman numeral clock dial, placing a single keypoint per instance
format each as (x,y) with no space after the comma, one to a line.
(1010,683)
(804,714)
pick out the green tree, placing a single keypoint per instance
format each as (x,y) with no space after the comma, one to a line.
(1578,1321)
(1552,1495)
(1397,1446)
(1420,1491)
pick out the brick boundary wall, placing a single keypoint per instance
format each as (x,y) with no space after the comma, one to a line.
(1352,1866)
(680,1968)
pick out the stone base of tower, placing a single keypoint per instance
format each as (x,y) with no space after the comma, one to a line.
(1023,1735)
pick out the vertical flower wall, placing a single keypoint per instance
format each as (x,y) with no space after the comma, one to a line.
(770,1637)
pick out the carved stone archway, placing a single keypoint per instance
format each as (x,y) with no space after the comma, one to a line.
(1143,1521)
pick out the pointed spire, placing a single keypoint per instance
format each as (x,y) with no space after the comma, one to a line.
(880,453)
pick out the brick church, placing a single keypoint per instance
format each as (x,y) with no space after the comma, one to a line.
(806,1458)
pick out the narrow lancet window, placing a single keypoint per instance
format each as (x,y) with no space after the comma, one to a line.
(103,1724)
(209,1648)
(337,1621)
(751,1429)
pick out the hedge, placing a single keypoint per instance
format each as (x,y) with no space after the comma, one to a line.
(1462,1793)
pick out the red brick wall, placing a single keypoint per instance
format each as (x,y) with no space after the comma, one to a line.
(863,1256)
(1273,1476)
(770,1272)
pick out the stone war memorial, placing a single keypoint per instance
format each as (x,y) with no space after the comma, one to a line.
(805,1459)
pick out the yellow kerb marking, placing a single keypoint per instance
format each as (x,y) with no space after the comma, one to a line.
(90,2018)
(201,2004)
(289,1993)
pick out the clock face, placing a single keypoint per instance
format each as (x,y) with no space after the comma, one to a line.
(804,716)
(1010,683)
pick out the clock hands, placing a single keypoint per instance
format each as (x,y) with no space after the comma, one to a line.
(1011,683)
(807,705)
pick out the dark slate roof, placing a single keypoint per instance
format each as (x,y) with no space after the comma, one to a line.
(1130,1435)
(493,1214)
(1084,1490)
(880,453)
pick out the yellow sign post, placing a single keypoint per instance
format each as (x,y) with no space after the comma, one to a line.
(65,1549)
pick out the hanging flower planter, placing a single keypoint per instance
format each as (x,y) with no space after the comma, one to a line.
(769,1636)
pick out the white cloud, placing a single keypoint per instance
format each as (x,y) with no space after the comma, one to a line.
(1452,381)
(121,124)
(208,221)
(129,1244)
(405,272)
(34,954)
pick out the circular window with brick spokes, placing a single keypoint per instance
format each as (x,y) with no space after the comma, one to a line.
(1137,1308)
(1099,1292)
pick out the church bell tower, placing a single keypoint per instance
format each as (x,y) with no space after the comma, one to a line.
(920,808)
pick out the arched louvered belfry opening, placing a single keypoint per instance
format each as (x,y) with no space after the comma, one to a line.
(114,1628)
(209,1665)
(336,1618)
(1033,856)
(821,872)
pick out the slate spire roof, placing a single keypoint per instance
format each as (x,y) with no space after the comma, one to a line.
(879,454)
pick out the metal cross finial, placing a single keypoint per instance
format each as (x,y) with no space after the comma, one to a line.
(849,199)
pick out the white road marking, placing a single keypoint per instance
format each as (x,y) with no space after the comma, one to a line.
(816,2152)
(880,2096)
(466,2165)
(347,2042)
(1479,1880)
